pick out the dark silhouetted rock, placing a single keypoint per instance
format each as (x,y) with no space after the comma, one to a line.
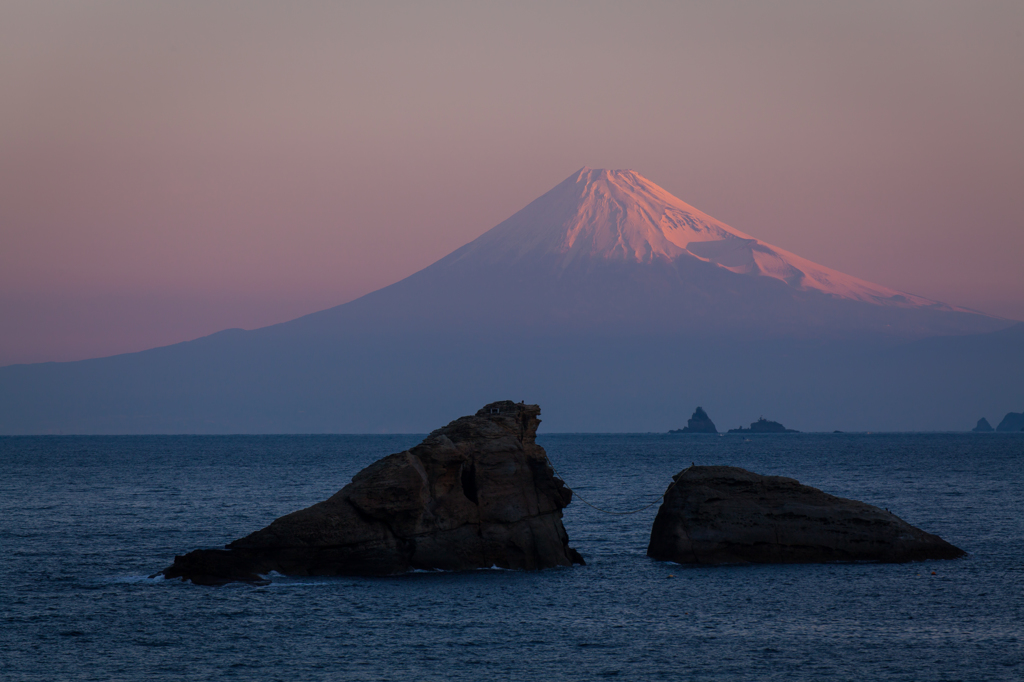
(724,515)
(983,426)
(1013,421)
(700,422)
(763,425)
(475,494)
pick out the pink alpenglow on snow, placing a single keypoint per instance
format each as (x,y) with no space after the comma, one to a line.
(621,215)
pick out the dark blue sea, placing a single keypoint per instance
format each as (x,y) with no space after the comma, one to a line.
(85,520)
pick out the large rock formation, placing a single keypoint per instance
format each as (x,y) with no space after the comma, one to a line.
(700,422)
(724,515)
(475,494)
(763,425)
(983,426)
(1013,421)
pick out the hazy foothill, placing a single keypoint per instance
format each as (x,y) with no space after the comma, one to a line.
(607,299)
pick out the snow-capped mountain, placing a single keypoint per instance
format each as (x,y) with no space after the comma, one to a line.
(608,251)
(619,215)
(607,300)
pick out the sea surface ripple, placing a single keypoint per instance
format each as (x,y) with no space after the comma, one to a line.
(85,520)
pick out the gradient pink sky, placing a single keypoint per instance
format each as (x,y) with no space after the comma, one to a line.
(170,169)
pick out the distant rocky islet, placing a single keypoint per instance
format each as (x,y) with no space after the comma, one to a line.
(763,425)
(1012,422)
(983,426)
(700,422)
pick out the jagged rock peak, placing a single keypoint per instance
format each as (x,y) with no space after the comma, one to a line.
(476,493)
(983,426)
(700,422)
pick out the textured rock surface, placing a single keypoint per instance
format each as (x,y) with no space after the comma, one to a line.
(700,422)
(477,493)
(983,426)
(719,515)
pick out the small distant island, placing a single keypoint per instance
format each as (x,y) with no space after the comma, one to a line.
(763,425)
(983,426)
(1013,421)
(700,422)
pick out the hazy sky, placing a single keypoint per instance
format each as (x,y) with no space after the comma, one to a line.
(171,169)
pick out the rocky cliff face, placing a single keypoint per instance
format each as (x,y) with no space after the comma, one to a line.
(475,494)
(721,515)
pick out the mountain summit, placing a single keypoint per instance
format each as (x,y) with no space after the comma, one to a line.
(609,251)
(619,215)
